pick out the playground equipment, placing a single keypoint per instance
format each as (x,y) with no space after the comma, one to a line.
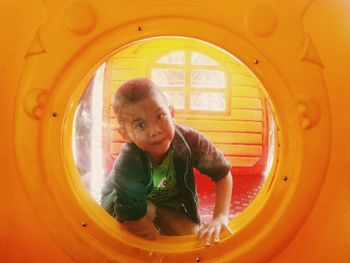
(298,51)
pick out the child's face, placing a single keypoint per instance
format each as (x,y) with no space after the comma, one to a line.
(149,124)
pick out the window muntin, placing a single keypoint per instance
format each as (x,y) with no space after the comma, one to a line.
(192,81)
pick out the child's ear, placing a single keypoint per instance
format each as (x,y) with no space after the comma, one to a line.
(124,134)
(172,111)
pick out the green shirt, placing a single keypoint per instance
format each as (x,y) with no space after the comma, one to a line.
(165,191)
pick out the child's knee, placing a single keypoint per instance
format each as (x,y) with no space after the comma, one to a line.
(175,223)
(187,228)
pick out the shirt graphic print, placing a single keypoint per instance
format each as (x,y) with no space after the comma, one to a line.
(165,190)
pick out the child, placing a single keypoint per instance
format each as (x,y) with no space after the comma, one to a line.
(152,188)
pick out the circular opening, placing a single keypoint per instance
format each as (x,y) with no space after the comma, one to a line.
(211,91)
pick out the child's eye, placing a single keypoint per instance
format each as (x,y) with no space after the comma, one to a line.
(140,126)
(161,116)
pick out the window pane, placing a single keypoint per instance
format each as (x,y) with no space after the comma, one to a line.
(176,57)
(177,99)
(201,59)
(169,77)
(208,79)
(208,101)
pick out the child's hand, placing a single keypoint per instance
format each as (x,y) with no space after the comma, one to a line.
(213,229)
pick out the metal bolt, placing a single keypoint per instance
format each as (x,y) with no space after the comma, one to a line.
(255,61)
(285,178)
(54,114)
(198,259)
(139,28)
(84,224)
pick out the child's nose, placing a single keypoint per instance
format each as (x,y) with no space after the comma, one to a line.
(154,131)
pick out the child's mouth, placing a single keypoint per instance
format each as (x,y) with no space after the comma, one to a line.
(158,142)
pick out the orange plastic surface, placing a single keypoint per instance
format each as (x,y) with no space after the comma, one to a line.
(299,50)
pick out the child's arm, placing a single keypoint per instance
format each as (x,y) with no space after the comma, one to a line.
(223,190)
(142,227)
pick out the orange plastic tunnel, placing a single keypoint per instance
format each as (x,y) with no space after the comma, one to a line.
(297,50)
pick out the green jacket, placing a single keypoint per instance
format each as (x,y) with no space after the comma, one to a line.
(124,194)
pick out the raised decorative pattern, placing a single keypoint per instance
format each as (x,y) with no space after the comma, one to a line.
(80,18)
(309,52)
(309,111)
(261,20)
(34,102)
(36,46)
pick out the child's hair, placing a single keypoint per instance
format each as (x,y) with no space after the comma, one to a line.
(133,91)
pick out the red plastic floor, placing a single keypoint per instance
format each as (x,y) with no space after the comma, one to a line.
(245,188)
